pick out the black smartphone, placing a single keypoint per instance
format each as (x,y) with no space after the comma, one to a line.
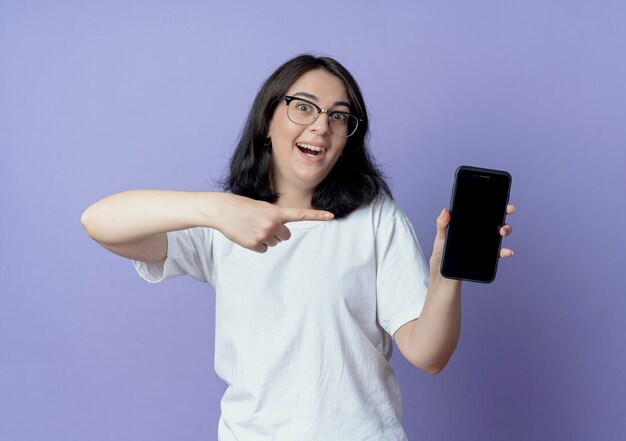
(477,210)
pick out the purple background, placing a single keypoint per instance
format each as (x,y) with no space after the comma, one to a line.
(99,97)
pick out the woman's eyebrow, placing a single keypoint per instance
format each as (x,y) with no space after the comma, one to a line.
(314,98)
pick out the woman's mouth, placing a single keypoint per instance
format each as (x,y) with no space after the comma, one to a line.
(309,150)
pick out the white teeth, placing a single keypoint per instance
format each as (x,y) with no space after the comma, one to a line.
(309,147)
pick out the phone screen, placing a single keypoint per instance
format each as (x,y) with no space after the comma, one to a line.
(478,210)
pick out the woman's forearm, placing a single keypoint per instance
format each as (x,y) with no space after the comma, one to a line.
(131,216)
(435,335)
(134,224)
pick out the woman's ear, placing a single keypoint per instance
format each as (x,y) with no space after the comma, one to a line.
(268,135)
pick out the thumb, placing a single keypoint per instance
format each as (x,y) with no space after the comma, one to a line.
(442,223)
(442,226)
(301,214)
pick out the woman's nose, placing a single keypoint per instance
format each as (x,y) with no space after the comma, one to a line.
(321,124)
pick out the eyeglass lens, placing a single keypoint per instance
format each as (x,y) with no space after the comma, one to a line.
(305,113)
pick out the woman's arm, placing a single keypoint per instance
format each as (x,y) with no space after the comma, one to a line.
(428,342)
(134,224)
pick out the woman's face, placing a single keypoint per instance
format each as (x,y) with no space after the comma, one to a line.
(296,169)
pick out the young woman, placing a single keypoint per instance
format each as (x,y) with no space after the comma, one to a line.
(315,268)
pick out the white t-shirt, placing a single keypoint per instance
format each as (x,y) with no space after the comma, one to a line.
(303,331)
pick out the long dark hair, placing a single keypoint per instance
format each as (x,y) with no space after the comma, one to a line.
(353,182)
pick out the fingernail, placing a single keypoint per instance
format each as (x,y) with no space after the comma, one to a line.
(442,212)
(328,215)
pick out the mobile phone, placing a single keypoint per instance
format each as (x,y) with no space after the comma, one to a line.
(477,210)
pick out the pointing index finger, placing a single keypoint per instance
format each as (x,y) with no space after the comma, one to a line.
(302,214)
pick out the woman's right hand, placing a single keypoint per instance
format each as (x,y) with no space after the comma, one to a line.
(258,225)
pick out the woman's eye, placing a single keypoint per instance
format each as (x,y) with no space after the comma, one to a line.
(303,107)
(339,117)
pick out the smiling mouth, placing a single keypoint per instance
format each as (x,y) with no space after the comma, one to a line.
(309,150)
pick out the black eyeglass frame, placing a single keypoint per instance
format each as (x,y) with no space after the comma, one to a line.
(288,99)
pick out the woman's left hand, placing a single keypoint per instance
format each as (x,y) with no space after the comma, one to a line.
(442,225)
(505,230)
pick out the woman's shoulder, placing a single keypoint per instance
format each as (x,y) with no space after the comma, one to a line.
(387,206)
(381,210)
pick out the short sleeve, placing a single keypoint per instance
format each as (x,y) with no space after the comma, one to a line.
(188,252)
(402,274)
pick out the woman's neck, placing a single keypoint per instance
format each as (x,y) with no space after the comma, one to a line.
(295,200)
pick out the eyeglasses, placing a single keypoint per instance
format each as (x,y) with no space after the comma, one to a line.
(303,112)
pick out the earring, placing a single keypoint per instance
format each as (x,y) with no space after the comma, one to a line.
(268,143)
